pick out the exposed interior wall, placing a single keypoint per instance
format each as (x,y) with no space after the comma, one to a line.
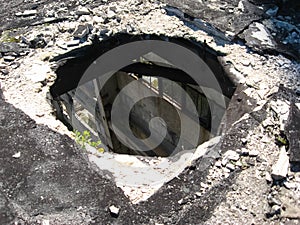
(80,109)
(72,71)
(142,113)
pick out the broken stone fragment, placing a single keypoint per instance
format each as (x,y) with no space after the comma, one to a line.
(10,47)
(276,209)
(9,58)
(17,155)
(180,201)
(110,14)
(253,153)
(244,141)
(292,130)
(230,166)
(291,211)
(27,13)
(268,122)
(198,194)
(218,164)
(280,169)
(273,201)
(2,66)
(38,42)
(272,11)
(81,32)
(15,65)
(98,19)
(4,71)
(290,185)
(258,37)
(82,11)
(114,211)
(239,164)
(73,43)
(268,177)
(232,155)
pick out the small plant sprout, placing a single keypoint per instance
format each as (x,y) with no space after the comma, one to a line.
(84,138)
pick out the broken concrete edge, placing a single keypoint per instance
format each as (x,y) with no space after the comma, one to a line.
(240,16)
(236,78)
(280,169)
(292,131)
(288,151)
(232,140)
(201,164)
(150,167)
(245,24)
(81,193)
(291,126)
(83,56)
(43,160)
(86,52)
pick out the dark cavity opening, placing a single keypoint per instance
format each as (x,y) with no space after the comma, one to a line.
(89,106)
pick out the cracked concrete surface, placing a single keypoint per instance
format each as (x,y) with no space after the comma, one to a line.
(46,178)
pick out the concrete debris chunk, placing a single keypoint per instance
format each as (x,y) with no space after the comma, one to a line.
(268,177)
(232,155)
(258,36)
(45,222)
(4,71)
(272,11)
(268,122)
(230,166)
(38,42)
(81,31)
(291,212)
(17,155)
(110,14)
(244,152)
(198,194)
(82,11)
(244,141)
(290,185)
(73,43)
(253,153)
(98,19)
(27,13)
(276,209)
(3,66)
(218,164)
(273,201)
(280,169)
(114,211)
(292,130)
(9,58)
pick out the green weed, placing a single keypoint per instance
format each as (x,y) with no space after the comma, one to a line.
(84,138)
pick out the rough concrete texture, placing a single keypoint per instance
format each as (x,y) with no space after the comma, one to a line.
(45,178)
(250,21)
(293,133)
(50,176)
